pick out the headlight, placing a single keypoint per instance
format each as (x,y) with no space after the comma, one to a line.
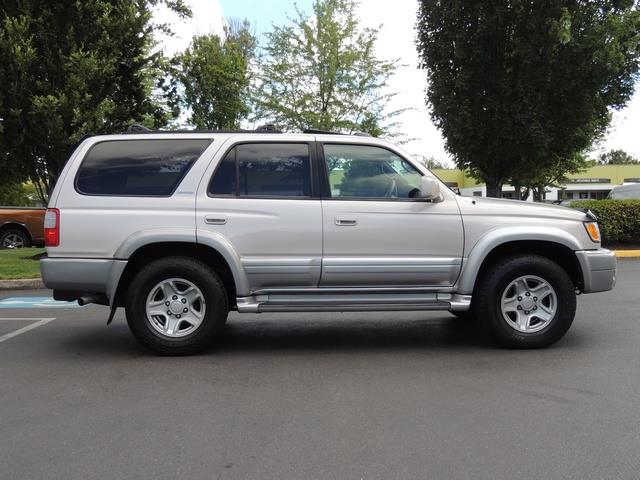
(593,230)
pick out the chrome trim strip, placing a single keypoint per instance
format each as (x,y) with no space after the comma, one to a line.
(353,302)
(365,290)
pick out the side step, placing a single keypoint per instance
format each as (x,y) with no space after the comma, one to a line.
(350,307)
(352,302)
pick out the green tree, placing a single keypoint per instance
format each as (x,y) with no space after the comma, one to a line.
(550,176)
(520,87)
(211,78)
(617,157)
(69,69)
(16,195)
(321,72)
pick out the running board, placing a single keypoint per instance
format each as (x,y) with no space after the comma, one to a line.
(352,302)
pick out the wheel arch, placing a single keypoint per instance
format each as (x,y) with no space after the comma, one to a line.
(17,225)
(557,247)
(156,250)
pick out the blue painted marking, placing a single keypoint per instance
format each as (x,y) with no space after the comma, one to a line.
(35,302)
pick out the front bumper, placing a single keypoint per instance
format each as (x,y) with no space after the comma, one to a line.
(80,276)
(598,270)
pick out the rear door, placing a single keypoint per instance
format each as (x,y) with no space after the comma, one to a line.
(262,198)
(376,232)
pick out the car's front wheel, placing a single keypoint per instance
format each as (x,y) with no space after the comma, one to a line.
(527,301)
(176,306)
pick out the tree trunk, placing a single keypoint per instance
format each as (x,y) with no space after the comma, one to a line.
(494,187)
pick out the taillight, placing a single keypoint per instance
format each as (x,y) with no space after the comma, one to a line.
(52,227)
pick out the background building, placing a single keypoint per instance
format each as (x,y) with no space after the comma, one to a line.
(593,183)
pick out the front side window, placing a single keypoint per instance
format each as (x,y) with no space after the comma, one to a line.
(138,167)
(264,170)
(362,171)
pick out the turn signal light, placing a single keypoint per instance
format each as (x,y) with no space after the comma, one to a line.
(52,227)
(593,231)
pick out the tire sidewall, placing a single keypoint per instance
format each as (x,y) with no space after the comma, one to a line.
(26,240)
(551,273)
(201,276)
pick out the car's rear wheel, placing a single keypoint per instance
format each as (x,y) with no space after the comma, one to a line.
(177,306)
(527,301)
(14,238)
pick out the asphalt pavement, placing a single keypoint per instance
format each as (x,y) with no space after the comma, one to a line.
(320,396)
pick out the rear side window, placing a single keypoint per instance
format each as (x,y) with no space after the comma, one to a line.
(264,170)
(138,167)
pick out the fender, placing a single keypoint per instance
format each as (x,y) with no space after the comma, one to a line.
(220,243)
(494,238)
(162,235)
(10,223)
(154,235)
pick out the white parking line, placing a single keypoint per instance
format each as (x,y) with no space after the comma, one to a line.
(38,322)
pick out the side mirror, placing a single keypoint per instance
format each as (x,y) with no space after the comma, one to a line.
(429,188)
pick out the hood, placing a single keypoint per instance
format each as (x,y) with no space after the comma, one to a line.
(517,208)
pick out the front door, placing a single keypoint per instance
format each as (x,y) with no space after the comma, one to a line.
(376,231)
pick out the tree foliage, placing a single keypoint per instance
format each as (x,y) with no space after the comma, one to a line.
(520,87)
(211,78)
(321,72)
(617,157)
(69,69)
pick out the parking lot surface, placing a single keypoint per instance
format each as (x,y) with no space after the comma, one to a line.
(320,396)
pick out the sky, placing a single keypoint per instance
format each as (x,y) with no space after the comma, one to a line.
(396,20)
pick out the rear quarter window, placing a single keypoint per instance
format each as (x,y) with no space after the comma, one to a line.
(138,167)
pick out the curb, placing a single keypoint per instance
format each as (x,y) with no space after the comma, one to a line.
(627,253)
(22,284)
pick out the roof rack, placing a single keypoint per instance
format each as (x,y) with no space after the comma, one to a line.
(321,132)
(137,129)
(329,132)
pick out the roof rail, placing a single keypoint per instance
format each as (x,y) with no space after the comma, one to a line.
(321,132)
(330,132)
(268,128)
(135,128)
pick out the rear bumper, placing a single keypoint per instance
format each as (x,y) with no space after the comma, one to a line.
(598,270)
(80,276)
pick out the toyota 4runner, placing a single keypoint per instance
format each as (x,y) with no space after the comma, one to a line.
(182,227)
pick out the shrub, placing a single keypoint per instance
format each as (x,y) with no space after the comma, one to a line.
(619,220)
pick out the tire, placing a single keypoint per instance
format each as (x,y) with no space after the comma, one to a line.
(14,238)
(170,280)
(501,287)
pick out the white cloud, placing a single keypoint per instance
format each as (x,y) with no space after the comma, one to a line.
(624,131)
(207,18)
(396,40)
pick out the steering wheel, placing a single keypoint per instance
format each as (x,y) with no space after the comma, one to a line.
(392,191)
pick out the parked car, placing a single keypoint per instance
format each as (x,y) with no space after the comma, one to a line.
(629,191)
(21,227)
(181,228)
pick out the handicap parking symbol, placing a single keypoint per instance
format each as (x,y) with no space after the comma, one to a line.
(35,302)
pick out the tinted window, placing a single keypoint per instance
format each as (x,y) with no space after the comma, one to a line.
(224,180)
(264,169)
(369,172)
(137,167)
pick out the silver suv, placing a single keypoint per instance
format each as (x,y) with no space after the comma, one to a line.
(182,227)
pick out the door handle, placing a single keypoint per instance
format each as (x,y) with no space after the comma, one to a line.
(346,222)
(215,220)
